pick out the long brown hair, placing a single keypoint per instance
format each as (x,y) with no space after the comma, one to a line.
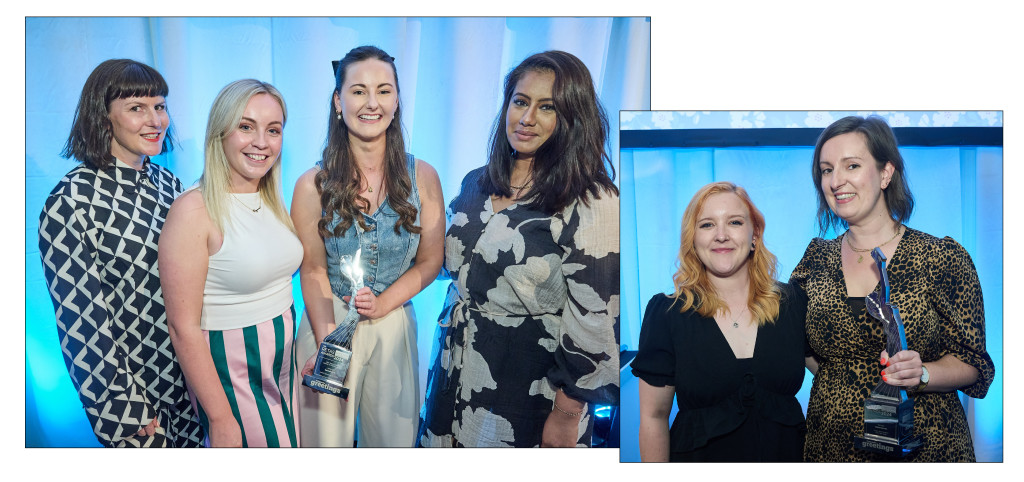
(693,287)
(339,179)
(573,161)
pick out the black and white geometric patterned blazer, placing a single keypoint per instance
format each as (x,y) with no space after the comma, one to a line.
(98,236)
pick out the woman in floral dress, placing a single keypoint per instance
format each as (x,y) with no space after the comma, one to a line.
(528,339)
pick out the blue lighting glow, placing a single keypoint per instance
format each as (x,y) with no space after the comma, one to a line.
(441,74)
(958,191)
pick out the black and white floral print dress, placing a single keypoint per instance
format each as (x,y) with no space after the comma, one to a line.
(98,235)
(533,307)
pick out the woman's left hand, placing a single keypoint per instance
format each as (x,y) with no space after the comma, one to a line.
(560,430)
(903,369)
(366,303)
(148,430)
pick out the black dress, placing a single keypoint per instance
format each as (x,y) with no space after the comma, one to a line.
(730,410)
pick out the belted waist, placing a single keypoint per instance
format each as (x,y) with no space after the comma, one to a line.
(452,321)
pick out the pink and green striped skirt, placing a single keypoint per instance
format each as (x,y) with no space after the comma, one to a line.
(257,369)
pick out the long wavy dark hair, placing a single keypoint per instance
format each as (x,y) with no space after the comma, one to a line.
(882,144)
(339,179)
(91,130)
(573,162)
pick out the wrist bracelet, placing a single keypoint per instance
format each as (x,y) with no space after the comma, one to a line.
(577,414)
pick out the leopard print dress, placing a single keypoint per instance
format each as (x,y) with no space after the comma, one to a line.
(935,286)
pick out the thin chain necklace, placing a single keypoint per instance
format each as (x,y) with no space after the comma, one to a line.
(858,250)
(380,188)
(735,323)
(527,183)
(233,195)
(519,189)
(369,188)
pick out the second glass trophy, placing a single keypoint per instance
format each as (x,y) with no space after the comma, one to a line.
(888,412)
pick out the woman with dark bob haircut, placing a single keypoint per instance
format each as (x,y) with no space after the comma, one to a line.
(861,182)
(528,339)
(366,195)
(98,235)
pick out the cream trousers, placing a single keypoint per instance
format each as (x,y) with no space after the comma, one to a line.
(383,383)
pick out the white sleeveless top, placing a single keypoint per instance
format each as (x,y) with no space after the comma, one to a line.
(250,279)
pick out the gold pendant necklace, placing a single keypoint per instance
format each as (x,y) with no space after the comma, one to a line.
(369,188)
(246,206)
(860,258)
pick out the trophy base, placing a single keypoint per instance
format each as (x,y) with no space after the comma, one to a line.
(325,385)
(888,426)
(883,447)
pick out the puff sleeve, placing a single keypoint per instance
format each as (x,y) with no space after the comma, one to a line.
(587,356)
(655,360)
(956,297)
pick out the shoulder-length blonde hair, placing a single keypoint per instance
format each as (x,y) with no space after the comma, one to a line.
(693,287)
(215,184)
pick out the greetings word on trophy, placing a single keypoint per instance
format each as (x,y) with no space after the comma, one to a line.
(888,412)
(332,359)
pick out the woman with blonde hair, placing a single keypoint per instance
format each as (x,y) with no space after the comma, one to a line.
(728,344)
(226,258)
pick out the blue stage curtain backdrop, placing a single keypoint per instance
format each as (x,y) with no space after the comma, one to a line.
(954,166)
(450,71)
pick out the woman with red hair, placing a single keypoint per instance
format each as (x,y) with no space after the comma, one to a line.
(728,344)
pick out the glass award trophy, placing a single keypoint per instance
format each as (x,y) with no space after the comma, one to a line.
(335,352)
(888,412)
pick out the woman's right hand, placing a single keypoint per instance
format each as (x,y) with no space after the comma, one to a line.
(225,433)
(307,369)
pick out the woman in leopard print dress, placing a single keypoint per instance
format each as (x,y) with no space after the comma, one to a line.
(861,184)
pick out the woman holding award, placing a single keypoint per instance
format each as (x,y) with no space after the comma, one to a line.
(861,184)
(101,263)
(226,261)
(366,195)
(528,341)
(728,345)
